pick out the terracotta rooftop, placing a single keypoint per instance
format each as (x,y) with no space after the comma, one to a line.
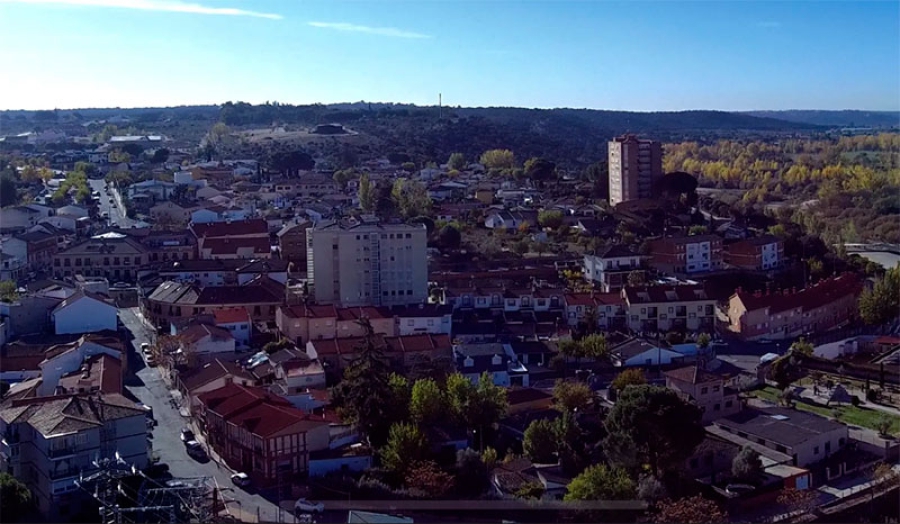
(256,227)
(822,293)
(228,246)
(692,374)
(231,316)
(659,294)
(198,332)
(256,410)
(212,371)
(99,372)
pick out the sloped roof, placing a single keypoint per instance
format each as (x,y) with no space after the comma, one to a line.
(658,294)
(231,315)
(212,371)
(692,374)
(823,292)
(79,295)
(256,410)
(68,413)
(198,332)
(256,227)
(227,246)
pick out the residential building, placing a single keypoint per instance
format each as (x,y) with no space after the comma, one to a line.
(63,359)
(171,301)
(114,256)
(245,239)
(805,437)
(260,434)
(423,318)
(687,254)
(403,352)
(357,263)
(237,322)
(210,376)
(292,242)
(49,442)
(637,352)
(610,267)
(510,220)
(84,312)
(706,389)
(172,213)
(784,314)
(165,246)
(301,323)
(36,248)
(12,268)
(205,341)
(497,360)
(607,310)
(206,273)
(635,165)
(762,253)
(666,308)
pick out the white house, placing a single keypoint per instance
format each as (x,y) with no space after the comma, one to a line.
(70,360)
(84,312)
(237,322)
(610,267)
(72,211)
(424,318)
(637,352)
(203,339)
(497,360)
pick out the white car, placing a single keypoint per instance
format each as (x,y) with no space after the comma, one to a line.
(240,479)
(145,348)
(305,506)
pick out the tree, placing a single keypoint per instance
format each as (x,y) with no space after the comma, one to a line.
(427,403)
(629,377)
(15,496)
(399,396)
(410,198)
(883,426)
(698,230)
(472,472)
(636,278)
(803,347)
(540,441)
(363,396)
(570,396)
(160,156)
(521,247)
(342,176)
(805,500)
(539,170)
(457,161)
(476,406)
(550,218)
(595,346)
(366,194)
(8,195)
(652,426)
(703,340)
(695,510)
(601,482)
(598,173)
(650,489)
(406,445)
(531,490)
(746,464)
(497,159)
(449,237)
(427,477)
(8,291)
(881,303)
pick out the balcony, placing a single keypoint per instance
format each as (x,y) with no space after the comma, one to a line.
(62,473)
(63,452)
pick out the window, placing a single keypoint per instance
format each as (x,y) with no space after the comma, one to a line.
(704,390)
(728,403)
(780,448)
(410,322)
(717,407)
(828,447)
(816,450)
(715,389)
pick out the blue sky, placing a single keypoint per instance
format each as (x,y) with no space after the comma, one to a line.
(635,55)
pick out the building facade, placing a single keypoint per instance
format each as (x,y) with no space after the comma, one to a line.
(764,253)
(634,166)
(357,263)
(610,268)
(112,256)
(665,308)
(687,255)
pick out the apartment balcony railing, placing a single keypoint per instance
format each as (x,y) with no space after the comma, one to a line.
(59,453)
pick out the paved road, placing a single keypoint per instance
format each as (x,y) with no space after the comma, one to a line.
(116,214)
(148,386)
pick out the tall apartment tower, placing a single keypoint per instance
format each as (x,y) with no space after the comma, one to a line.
(352,262)
(634,166)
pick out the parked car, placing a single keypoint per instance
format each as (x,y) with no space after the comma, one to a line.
(151,360)
(145,348)
(195,449)
(187,435)
(306,506)
(240,479)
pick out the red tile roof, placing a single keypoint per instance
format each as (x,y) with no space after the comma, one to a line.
(692,374)
(356,313)
(415,343)
(822,293)
(310,311)
(256,410)
(231,315)
(212,371)
(579,299)
(238,228)
(103,372)
(657,294)
(230,246)
(198,332)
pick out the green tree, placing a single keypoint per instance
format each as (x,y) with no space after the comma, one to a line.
(550,218)
(8,291)
(595,346)
(539,170)
(636,278)
(629,377)
(8,195)
(881,303)
(652,426)
(746,464)
(698,230)
(427,403)
(342,176)
(472,474)
(476,406)
(16,497)
(363,396)
(531,490)
(457,161)
(410,198)
(429,479)
(366,193)
(406,445)
(803,347)
(570,396)
(497,159)
(540,441)
(160,156)
(703,340)
(399,396)
(521,247)
(449,237)
(601,482)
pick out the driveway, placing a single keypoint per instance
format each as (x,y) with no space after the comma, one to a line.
(147,385)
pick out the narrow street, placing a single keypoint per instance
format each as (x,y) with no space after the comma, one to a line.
(117,215)
(148,386)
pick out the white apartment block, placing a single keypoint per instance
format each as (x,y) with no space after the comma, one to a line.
(47,442)
(358,263)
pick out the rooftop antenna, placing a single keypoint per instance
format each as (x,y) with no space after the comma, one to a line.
(440,108)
